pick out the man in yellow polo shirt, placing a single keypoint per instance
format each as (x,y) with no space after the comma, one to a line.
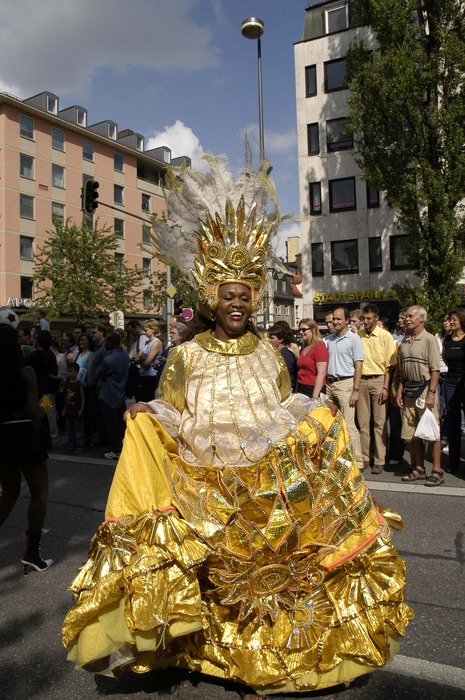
(380,358)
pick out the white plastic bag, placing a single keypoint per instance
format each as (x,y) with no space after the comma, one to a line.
(428,427)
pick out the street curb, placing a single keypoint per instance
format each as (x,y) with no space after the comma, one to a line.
(427,671)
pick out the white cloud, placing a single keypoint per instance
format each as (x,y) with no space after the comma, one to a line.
(284,142)
(275,141)
(182,141)
(58,45)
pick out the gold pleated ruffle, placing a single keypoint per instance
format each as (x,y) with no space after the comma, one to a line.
(280,575)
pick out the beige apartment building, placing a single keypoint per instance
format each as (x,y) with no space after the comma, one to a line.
(352,252)
(45,154)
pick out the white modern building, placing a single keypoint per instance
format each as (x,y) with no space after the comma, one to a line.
(352,252)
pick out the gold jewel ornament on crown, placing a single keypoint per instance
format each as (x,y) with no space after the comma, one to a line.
(218,229)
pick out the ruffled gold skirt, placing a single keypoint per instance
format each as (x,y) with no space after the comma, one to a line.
(280,575)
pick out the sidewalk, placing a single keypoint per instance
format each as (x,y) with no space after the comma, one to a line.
(391,474)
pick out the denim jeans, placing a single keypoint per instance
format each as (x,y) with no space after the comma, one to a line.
(75,432)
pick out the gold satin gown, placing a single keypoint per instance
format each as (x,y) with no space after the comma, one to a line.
(275,569)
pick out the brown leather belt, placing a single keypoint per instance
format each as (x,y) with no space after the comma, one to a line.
(331,380)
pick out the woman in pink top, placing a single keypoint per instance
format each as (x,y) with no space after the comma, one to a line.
(313,360)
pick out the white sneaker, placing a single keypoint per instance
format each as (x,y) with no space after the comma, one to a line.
(445,449)
(111,455)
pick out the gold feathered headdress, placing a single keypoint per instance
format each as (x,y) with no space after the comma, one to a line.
(218,229)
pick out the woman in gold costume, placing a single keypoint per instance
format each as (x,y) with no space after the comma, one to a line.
(240,539)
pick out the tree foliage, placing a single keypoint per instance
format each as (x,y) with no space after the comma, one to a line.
(407,108)
(76,273)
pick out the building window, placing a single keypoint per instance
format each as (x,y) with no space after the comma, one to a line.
(87,150)
(335,75)
(118,162)
(310,81)
(58,139)
(118,227)
(146,240)
(372,197)
(398,251)
(277,309)
(52,104)
(58,176)
(58,211)
(374,252)
(318,263)
(81,117)
(337,19)
(26,166)
(26,248)
(146,203)
(147,299)
(139,143)
(26,289)
(342,194)
(26,206)
(287,310)
(26,127)
(146,266)
(118,193)
(339,135)
(315,198)
(344,256)
(119,262)
(313,139)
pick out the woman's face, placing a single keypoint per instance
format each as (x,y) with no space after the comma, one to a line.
(306,333)
(446,324)
(454,323)
(84,342)
(175,336)
(149,332)
(234,310)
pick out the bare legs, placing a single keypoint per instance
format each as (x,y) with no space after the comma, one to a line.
(37,480)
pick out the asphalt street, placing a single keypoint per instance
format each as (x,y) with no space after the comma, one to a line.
(430,666)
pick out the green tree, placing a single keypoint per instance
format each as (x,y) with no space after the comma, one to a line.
(407,108)
(77,274)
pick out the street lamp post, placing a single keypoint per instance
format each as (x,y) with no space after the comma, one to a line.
(252,28)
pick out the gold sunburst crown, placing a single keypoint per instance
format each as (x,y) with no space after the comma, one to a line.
(218,228)
(232,248)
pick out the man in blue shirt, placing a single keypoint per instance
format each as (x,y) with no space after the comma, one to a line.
(344,371)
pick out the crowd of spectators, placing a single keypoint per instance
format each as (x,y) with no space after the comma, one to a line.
(380,376)
(84,375)
(363,366)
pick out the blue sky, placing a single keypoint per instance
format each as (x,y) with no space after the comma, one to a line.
(177,71)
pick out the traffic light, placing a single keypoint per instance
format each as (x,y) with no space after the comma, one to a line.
(178,307)
(90,196)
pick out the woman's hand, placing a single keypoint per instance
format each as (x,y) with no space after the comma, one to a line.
(137,408)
